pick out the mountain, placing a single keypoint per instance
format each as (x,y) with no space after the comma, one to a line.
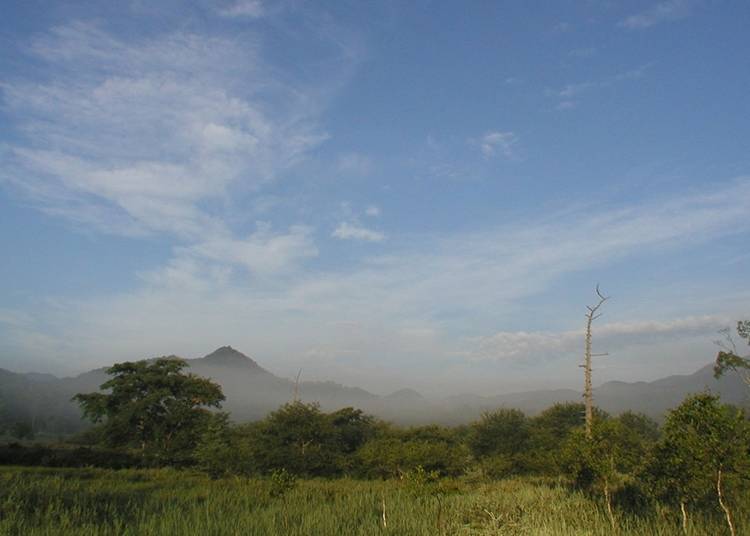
(252,392)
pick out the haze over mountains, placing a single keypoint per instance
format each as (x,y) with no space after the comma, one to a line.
(253,391)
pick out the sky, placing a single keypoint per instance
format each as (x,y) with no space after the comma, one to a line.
(383,194)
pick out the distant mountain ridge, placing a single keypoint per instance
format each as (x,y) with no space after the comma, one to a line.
(252,392)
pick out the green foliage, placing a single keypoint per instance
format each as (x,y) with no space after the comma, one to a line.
(22,430)
(600,462)
(644,428)
(352,428)
(214,452)
(710,434)
(500,432)
(728,359)
(297,437)
(154,406)
(500,441)
(282,482)
(548,433)
(704,449)
(389,457)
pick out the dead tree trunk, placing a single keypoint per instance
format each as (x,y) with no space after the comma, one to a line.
(295,393)
(588,395)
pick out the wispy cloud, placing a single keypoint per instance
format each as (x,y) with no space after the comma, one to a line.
(667,11)
(350,231)
(153,136)
(496,142)
(372,210)
(524,345)
(395,296)
(244,8)
(143,133)
(572,91)
(354,164)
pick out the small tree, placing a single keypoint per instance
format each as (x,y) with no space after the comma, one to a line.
(500,438)
(152,405)
(22,430)
(297,437)
(215,452)
(550,431)
(599,461)
(704,441)
(728,358)
(674,476)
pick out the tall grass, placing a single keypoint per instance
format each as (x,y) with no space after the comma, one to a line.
(42,501)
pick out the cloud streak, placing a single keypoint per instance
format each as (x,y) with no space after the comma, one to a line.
(350,231)
(141,137)
(523,345)
(668,11)
(496,142)
(393,299)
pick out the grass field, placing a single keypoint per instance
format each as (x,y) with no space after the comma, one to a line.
(36,501)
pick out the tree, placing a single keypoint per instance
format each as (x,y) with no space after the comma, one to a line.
(728,358)
(601,460)
(503,431)
(588,396)
(705,443)
(394,456)
(641,426)
(152,405)
(22,430)
(548,432)
(500,438)
(673,476)
(352,429)
(215,452)
(297,437)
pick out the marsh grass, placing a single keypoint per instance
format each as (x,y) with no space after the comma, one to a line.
(43,501)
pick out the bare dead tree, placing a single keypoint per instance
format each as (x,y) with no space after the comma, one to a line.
(588,395)
(295,393)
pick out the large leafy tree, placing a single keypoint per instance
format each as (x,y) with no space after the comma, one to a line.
(152,405)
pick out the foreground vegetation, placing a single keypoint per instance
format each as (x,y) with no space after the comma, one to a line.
(44,501)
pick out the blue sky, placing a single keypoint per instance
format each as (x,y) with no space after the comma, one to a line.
(385,194)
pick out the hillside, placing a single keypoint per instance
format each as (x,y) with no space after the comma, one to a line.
(253,391)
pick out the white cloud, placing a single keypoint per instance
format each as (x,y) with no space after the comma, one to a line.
(373,211)
(417,306)
(354,164)
(569,91)
(667,11)
(523,345)
(503,142)
(135,137)
(263,252)
(350,231)
(244,8)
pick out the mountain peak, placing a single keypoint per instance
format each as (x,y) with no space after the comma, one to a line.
(226,356)
(405,395)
